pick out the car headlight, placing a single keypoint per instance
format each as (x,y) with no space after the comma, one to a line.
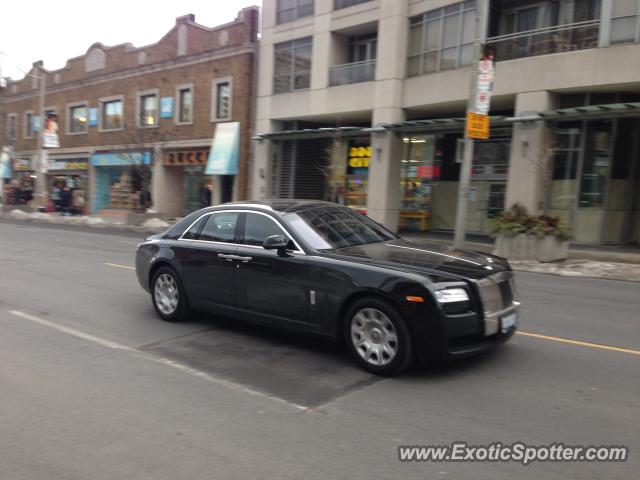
(452,295)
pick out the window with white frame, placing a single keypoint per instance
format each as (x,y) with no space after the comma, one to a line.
(148,109)
(222,99)
(292,65)
(442,39)
(625,25)
(290,10)
(184,111)
(28,124)
(12,126)
(112,117)
(78,118)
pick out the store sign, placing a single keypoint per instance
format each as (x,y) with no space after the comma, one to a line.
(93,117)
(23,165)
(185,156)
(225,149)
(120,159)
(166,107)
(477,126)
(359,159)
(68,164)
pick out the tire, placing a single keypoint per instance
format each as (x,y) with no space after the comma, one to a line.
(168,295)
(377,337)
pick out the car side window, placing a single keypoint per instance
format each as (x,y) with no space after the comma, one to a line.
(192,233)
(220,227)
(258,227)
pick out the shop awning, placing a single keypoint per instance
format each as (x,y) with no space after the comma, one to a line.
(225,148)
(444,125)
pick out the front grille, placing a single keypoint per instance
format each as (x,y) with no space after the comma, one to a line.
(496,295)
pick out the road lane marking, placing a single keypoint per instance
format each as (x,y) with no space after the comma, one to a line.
(117,265)
(70,331)
(128,243)
(194,372)
(579,343)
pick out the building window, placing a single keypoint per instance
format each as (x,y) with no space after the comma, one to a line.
(28,124)
(112,114)
(221,108)
(624,21)
(290,10)
(148,110)
(185,104)
(442,39)
(78,119)
(347,3)
(12,126)
(292,69)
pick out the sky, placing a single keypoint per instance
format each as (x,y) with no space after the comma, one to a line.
(32,30)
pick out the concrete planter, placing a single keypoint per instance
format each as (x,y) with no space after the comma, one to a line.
(531,247)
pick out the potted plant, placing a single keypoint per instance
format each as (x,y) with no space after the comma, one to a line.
(520,236)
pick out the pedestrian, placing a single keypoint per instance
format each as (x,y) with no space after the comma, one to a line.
(55,196)
(65,201)
(205,195)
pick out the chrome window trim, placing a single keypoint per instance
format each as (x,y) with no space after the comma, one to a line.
(300,251)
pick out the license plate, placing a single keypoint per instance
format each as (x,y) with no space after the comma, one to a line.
(509,322)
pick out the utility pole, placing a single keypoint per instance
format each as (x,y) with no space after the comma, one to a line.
(41,179)
(465,169)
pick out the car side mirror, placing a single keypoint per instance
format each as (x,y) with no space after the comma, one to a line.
(276,242)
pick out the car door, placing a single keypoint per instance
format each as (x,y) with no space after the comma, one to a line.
(268,285)
(208,266)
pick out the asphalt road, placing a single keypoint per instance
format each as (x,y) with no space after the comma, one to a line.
(93,386)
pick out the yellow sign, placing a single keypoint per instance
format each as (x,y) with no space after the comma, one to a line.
(359,157)
(477,126)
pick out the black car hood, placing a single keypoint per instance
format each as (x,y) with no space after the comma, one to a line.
(424,256)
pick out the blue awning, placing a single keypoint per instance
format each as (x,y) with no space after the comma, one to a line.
(225,149)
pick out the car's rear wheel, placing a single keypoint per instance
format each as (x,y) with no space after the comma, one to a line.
(377,337)
(168,296)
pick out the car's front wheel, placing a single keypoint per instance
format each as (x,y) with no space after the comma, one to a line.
(168,296)
(377,337)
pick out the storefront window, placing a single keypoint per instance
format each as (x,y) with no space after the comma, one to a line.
(595,169)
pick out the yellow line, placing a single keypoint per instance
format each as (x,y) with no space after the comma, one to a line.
(119,266)
(582,344)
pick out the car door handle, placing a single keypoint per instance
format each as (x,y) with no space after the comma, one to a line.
(228,258)
(245,259)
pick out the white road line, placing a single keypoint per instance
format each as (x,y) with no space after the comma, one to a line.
(70,331)
(117,265)
(128,243)
(161,360)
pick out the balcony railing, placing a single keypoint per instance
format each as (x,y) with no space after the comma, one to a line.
(352,73)
(561,38)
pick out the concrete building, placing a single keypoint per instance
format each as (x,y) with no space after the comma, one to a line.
(135,119)
(361,101)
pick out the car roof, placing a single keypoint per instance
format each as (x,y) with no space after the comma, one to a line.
(281,205)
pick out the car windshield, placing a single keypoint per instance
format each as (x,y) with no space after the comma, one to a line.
(337,227)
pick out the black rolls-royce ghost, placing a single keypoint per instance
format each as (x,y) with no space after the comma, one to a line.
(325,269)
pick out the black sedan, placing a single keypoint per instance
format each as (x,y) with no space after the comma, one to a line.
(324,269)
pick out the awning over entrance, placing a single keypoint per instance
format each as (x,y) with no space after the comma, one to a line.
(435,125)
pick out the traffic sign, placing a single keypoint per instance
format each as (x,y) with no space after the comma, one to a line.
(477,126)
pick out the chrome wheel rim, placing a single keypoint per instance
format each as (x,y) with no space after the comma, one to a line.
(374,337)
(165,292)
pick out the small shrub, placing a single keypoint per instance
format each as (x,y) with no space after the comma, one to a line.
(517,220)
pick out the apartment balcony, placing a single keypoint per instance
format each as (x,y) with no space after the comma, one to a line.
(543,41)
(355,72)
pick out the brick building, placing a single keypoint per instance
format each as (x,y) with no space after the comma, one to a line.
(134,119)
